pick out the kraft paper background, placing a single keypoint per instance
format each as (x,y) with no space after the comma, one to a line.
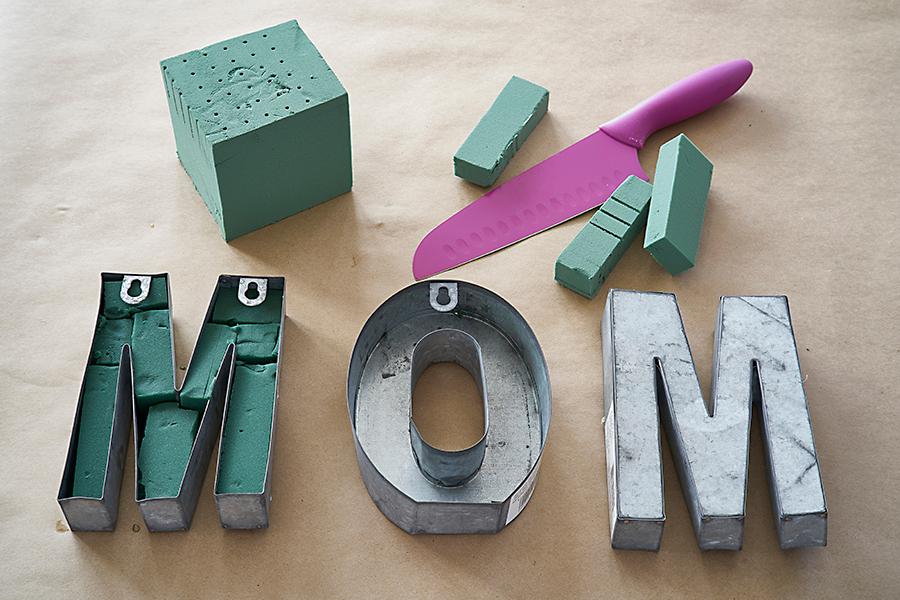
(804,202)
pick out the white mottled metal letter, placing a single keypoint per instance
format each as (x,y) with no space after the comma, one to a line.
(649,377)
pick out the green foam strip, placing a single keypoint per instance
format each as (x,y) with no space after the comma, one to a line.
(680,190)
(589,258)
(246,435)
(109,337)
(205,363)
(257,343)
(262,126)
(115,308)
(165,448)
(151,350)
(501,132)
(228,310)
(94,431)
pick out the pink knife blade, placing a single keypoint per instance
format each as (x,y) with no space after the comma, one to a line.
(574,180)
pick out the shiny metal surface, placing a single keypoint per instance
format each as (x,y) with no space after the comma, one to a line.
(649,375)
(448,468)
(379,400)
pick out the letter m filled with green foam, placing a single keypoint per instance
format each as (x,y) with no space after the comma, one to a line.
(167,420)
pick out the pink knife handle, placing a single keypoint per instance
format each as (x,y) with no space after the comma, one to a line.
(686,98)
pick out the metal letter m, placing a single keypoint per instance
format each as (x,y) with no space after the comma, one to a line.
(649,376)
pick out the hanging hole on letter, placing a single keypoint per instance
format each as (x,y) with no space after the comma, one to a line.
(135,288)
(443,296)
(252,291)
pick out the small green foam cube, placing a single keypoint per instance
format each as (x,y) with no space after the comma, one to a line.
(501,132)
(165,448)
(680,190)
(262,126)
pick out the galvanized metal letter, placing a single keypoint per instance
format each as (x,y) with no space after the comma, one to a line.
(649,374)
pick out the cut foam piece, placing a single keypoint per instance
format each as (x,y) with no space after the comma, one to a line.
(257,343)
(230,311)
(680,190)
(115,308)
(94,430)
(262,126)
(246,435)
(591,256)
(205,363)
(165,448)
(580,266)
(109,337)
(501,132)
(151,357)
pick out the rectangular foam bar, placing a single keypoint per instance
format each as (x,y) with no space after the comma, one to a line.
(245,437)
(589,259)
(262,126)
(580,266)
(680,190)
(165,448)
(151,353)
(205,363)
(94,430)
(501,132)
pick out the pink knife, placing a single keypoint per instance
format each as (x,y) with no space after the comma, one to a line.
(574,180)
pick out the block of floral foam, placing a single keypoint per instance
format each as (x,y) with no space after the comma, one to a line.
(151,358)
(262,126)
(246,434)
(257,342)
(589,259)
(677,210)
(502,130)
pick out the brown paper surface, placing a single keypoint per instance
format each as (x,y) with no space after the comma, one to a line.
(803,202)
